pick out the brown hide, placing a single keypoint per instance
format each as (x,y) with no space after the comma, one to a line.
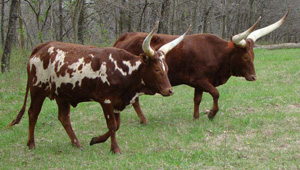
(203,61)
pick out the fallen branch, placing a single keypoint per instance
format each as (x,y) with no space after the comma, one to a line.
(279,46)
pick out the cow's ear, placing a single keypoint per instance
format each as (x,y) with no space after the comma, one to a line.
(146,59)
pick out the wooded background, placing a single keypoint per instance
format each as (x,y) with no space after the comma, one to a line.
(100,22)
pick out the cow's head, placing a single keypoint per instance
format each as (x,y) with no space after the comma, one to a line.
(243,57)
(155,71)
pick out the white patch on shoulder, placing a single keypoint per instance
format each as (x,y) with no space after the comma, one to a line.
(135,96)
(143,83)
(51,50)
(116,65)
(107,101)
(103,74)
(132,68)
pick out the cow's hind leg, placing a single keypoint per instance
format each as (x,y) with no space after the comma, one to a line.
(215,108)
(33,113)
(64,118)
(213,91)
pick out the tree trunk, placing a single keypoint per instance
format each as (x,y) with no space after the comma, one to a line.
(122,20)
(81,24)
(251,13)
(142,16)
(2,22)
(205,16)
(224,15)
(194,16)
(61,20)
(21,29)
(164,17)
(11,34)
(173,17)
(75,19)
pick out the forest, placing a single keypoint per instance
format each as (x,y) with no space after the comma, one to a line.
(27,23)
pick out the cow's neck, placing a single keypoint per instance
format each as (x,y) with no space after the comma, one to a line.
(134,88)
(225,65)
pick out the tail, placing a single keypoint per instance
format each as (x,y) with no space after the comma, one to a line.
(21,113)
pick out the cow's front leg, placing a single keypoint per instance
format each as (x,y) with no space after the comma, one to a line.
(113,123)
(213,91)
(197,100)
(114,145)
(139,112)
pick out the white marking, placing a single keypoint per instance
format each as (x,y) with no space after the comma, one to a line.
(143,83)
(134,97)
(51,50)
(107,116)
(107,101)
(132,68)
(60,57)
(103,74)
(116,65)
(162,57)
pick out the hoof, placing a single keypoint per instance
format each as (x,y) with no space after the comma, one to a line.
(211,116)
(31,146)
(116,151)
(92,141)
(144,122)
(196,116)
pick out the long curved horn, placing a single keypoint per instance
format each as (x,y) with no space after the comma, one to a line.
(266,30)
(169,46)
(239,38)
(146,44)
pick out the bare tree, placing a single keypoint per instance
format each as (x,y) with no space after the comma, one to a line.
(61,20)
(207,8)
(75,18)
(21,29)
(2,21)
(11,34)
(164,17)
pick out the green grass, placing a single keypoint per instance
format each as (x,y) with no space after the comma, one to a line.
(257,127)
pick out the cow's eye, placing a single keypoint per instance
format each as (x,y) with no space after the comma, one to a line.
(157,69)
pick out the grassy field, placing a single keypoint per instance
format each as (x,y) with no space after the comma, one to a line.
(257,127)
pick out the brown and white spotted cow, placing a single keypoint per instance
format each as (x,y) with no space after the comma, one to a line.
(71,73)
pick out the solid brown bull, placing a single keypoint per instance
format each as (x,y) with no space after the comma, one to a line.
(203,61)
(71,73)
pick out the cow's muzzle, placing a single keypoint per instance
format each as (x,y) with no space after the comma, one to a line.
(251,77)
(167,92)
